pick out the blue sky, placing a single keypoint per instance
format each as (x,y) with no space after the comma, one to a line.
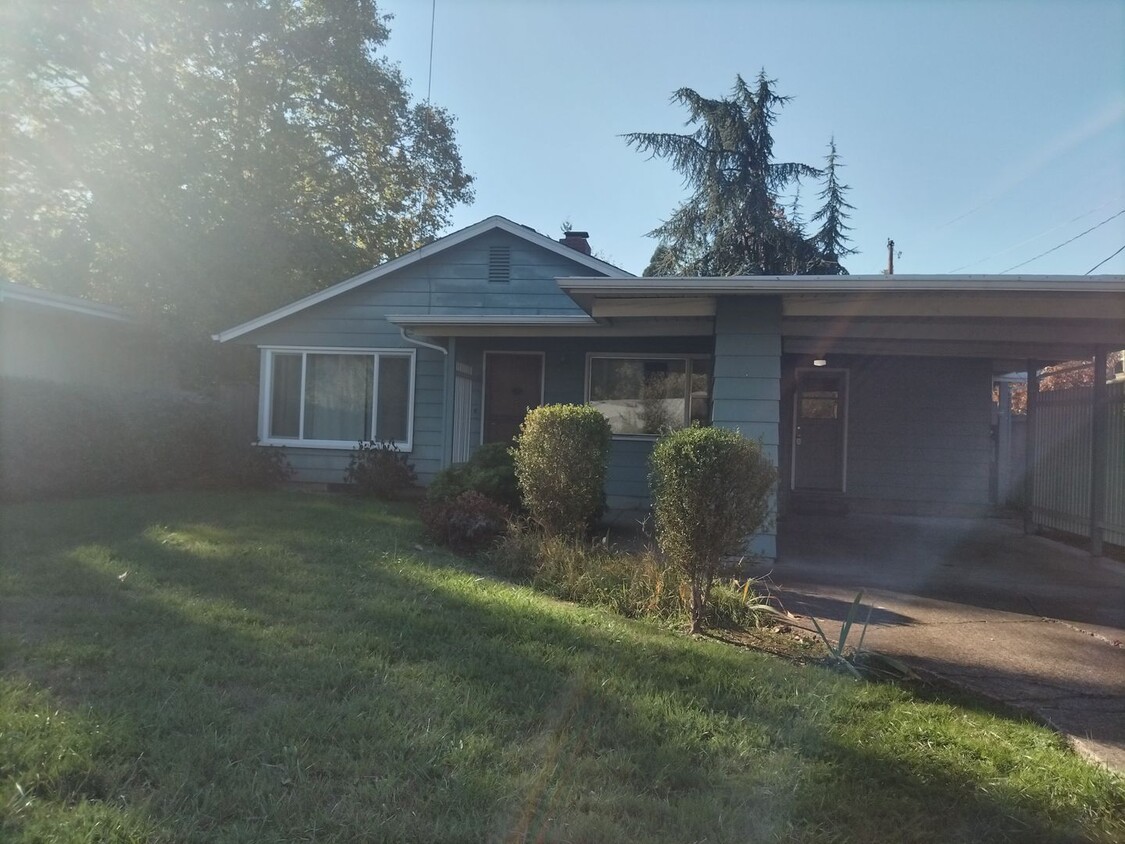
(976,134)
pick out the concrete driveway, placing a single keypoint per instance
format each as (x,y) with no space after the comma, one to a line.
(1023,619)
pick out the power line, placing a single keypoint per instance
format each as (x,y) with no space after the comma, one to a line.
(1065,242)
(1114,255)
(1028,239)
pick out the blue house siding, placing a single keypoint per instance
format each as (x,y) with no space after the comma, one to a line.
(747,387)
(565,382)
(919,435)
(455,281)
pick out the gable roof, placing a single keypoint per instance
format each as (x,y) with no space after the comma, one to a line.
(495,222)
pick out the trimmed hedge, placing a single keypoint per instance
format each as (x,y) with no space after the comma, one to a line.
(63,440)
(561,459)
(711,491)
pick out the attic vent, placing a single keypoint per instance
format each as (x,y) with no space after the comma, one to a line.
(499,263)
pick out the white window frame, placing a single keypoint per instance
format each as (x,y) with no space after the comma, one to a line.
(265,397)
(688,359)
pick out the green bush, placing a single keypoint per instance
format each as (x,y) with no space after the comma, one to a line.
(380,470)
(711,490)
(467,523)
(560,461)
(70,440)
(491,471)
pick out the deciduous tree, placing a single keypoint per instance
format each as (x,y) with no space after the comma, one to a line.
(207,161)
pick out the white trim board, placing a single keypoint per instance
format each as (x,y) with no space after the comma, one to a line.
(420,254)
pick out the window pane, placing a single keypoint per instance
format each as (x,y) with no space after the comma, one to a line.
(639,395)
(285,396)
(701,391)
(338,397)
(394,399)
(820,404)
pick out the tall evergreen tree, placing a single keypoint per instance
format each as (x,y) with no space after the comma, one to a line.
(830,242)
(733,223)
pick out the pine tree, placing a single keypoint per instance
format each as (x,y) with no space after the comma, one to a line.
(830,242)
(733,223)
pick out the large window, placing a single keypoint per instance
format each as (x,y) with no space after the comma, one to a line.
(337,398)
(647,395)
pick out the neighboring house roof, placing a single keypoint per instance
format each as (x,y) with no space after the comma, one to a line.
(21,294)
(427,251)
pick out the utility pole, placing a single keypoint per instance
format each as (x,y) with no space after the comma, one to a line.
(890,257)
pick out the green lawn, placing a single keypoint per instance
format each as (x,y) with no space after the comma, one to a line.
(287,667)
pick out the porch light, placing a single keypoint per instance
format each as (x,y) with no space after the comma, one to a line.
(820,362)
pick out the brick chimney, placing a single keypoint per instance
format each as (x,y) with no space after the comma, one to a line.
(577,240)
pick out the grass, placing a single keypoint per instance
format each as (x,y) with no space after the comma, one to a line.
(286,667)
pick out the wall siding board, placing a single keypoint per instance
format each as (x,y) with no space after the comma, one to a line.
(454,282)
(747,387)
(919,433)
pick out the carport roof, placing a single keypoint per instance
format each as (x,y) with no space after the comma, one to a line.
(1006,318)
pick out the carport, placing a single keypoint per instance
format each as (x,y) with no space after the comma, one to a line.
(874,393)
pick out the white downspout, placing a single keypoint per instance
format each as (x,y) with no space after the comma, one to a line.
(423,343)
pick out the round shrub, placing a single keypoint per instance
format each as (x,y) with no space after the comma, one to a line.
(490,471)
(560,459)
(467,523)
(711,491)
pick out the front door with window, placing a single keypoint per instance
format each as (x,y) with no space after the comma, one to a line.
(819,430)
(513,384)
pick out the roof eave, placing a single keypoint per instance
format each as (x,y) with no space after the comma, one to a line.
(423,252)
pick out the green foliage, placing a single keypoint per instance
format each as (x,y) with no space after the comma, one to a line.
(62,440)
(380,470)
(286,666)
(830,242)
(635,584)
(733,222)
(490,471)
(855,660)
(209,161)
(560,459)
(711,491)
(465,523)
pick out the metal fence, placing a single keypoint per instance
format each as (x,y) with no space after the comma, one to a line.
(1061,483)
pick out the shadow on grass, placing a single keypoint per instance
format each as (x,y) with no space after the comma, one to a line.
(291,678)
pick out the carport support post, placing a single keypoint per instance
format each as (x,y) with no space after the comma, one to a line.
(1098,454)
(1029,469)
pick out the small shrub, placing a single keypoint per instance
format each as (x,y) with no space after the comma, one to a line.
(467,523)
(560,461)
(379,469)
(711,490)
(491,471)
(263,467)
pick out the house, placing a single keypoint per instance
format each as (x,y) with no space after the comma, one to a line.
(871,393)
(52,337)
